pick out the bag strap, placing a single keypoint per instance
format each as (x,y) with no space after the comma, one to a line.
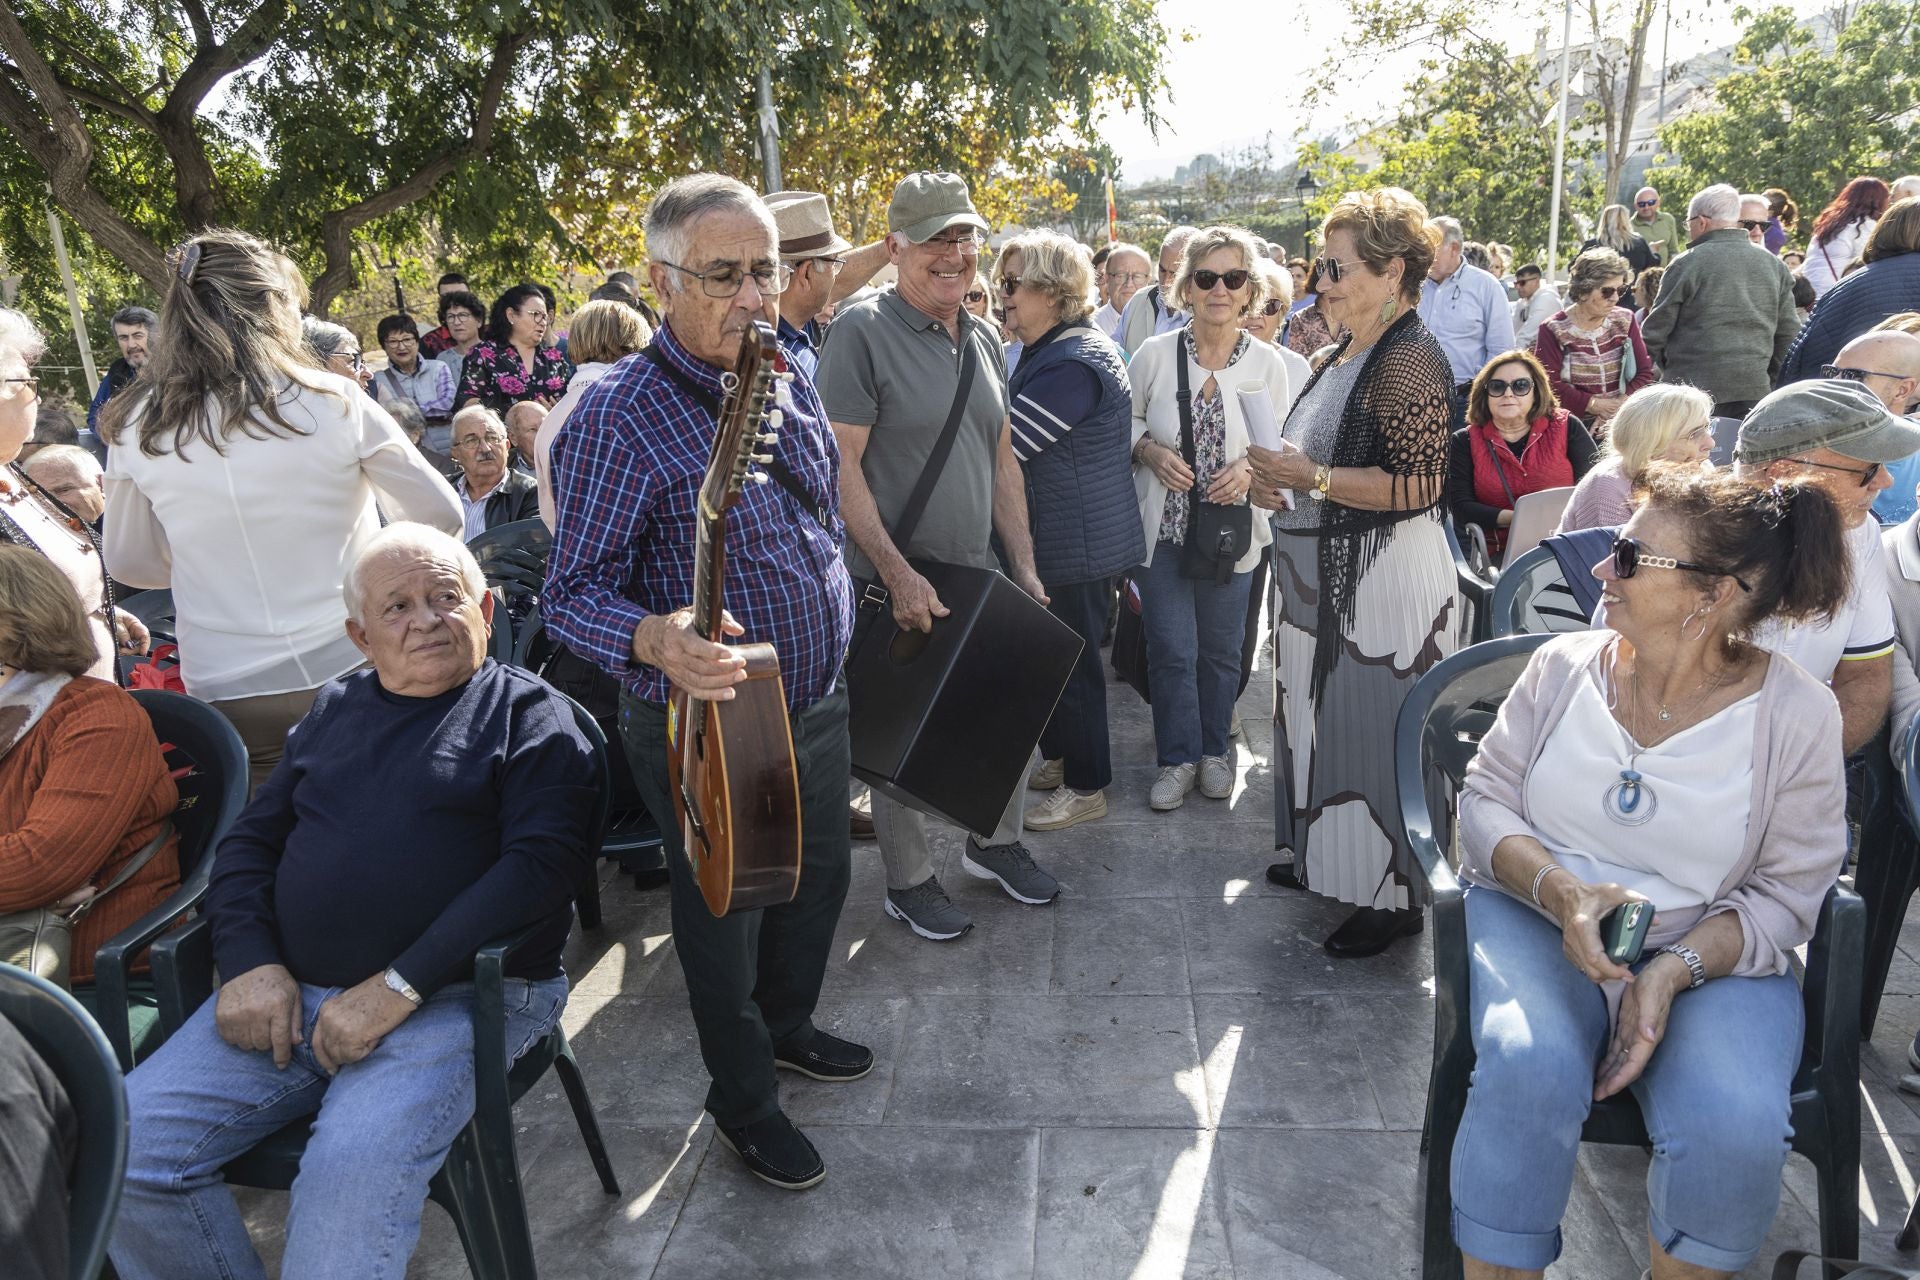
(782,476)
(1500,473)
(909,519)
(126,872)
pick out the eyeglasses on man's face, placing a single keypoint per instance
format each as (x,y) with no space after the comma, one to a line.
(1647,204)
(1865,474)
(1126,277)
(479,441)
(963,243)
(1754,224)
(1846,374)
(726,280)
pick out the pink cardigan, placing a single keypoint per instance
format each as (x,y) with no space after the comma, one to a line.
(1796,827)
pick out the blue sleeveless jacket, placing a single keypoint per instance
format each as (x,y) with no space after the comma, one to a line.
(1080,499)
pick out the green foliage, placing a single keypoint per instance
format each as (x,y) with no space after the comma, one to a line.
(1801,117)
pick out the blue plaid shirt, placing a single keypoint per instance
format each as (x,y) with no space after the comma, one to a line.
(627,470)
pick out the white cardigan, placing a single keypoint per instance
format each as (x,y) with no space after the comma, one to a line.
(1826,261)
(1156,412)
(256,543)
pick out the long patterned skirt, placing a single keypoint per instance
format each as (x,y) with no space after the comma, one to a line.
(1336,805)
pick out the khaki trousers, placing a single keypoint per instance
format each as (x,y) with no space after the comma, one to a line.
(263,723)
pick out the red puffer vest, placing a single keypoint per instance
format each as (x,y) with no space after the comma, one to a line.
(1541,463)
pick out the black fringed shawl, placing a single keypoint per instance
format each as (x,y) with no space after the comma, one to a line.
(1397,418)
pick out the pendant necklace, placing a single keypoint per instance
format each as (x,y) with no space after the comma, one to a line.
(1630,800)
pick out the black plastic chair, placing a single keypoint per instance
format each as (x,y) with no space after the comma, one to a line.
(74,1048)
(1475,589)
(479,1185)
(1531,597)
(210,772)
(513,559)
(1440,726)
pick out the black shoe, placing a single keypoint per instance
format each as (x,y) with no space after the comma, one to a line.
(1369,931)
(646,881)
(776,1153)
(825,1057)
(1281,873)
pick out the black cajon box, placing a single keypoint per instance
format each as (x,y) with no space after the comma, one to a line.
(946,722)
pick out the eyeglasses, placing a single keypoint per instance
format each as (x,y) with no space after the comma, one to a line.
(1629,559)
(1271,307)
(1008,284)
(474,442)
(1497,387)
(725,282)
(1611,291)
(1235,279)
(1754,224)
(1331,268)
(1126,277)
(33,383)
(353,360)
(966,243)
(459,313)
(1855,375)
(1646,204)
(1866,473)
(976,295)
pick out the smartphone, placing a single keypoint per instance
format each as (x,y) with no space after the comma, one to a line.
(1623,931)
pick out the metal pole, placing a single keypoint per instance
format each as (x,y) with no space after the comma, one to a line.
(1666,34)
(73,300)
(1559,152)
(769,135)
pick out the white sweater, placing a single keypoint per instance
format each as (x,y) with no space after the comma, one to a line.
(256,543)
(1156,412)
(1826,261)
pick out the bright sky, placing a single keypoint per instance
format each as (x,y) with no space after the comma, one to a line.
(1241,77)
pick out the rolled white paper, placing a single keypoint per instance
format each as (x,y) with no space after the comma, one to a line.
(1263,429)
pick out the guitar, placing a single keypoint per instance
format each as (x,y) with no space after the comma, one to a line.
(736,792)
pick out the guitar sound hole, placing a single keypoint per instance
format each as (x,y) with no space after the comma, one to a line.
(907,646)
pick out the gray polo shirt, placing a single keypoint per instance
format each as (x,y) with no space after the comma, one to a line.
(891,367)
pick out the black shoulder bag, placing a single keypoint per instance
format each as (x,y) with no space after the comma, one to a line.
(1218,534)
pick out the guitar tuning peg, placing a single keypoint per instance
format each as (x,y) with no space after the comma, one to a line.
(784,376)
(763,458)
(775,418)
(758,477)
(768,437)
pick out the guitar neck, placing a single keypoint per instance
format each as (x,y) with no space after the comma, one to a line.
(709,574)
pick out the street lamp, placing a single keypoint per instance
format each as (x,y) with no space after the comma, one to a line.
(1305,190)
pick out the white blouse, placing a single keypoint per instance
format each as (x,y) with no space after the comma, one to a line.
(256,542)
(1701,781)
(71,551)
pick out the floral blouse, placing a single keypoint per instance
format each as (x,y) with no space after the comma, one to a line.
(1209,446)
(493,374)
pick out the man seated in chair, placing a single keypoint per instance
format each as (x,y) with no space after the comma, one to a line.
(424,808)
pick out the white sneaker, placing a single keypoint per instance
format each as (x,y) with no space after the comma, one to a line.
(1216,777)
(1049,775)
(1064,807)
(1171,787)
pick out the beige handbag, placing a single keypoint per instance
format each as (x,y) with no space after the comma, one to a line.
(40,939)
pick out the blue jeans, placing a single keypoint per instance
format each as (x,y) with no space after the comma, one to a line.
(1194,632)
(383,1128)
(1714,1096)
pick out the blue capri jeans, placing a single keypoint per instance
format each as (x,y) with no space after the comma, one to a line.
(1714,1096)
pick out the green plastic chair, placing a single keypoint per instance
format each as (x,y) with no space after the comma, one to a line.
(73,1046)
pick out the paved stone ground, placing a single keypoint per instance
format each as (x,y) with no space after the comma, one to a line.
(1162,1075)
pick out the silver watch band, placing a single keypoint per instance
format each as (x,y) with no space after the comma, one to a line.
(401,987)
(1690,958)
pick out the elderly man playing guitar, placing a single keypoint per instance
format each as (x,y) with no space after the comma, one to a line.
(629,468)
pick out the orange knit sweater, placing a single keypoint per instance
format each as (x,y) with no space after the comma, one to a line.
(84,791)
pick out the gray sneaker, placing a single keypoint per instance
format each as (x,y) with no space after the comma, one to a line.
(1171,787)
(1216,777)
(1048,775)
(1014,868)
(928,911)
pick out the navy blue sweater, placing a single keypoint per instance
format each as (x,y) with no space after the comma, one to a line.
(409,832)
(1849,309)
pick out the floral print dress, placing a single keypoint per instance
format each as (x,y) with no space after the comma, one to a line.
(1209,446)
(494,375)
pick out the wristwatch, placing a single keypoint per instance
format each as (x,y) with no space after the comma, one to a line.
(1322,477)
(401,987)
(1690,958)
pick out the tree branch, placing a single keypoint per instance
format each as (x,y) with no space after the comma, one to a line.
(337,227)
(253,37)
(202,25)
(132,112)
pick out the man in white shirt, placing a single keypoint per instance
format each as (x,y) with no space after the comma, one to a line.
(1127,270)
(490,492)
(1151,311)
(1467,312)
(1537,303)
(1837,434)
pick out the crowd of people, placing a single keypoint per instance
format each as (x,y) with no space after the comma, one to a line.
(1249,446)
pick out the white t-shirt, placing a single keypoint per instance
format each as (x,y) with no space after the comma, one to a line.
(1861,628)
(1107,321)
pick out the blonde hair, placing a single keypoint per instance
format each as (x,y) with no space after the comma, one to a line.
(1276,282)
(1385,224)
(605,331)
(1653,420)
(1901,322)
(1615,231)
(43,627)
(1057,266)
(1203,244)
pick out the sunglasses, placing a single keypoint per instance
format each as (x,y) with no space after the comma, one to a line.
(1009,283)
(1235,279)
(1331,268)
(1646,204)
(1497,387)
(1271,307)
(1754,224)
(1611,291)
(1866,473)
(976,295)
(1629,559)
(1855,375)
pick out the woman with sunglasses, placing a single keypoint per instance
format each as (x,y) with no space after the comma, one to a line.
(1666,760)
(1667,422)
(1266,321)
(1518,440)
(1367,594)
(1592,351)
(1310,328)
(1195,626)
